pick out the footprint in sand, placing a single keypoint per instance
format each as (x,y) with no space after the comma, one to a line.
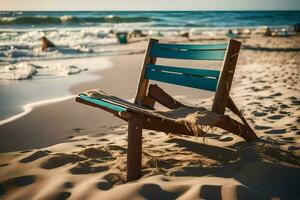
(36,155)
(60,159)
(19,181)
(95,153)
(63,195)
(114,178)
(293,148)
(68,184)
(225,138)
(103,185)
(88,167)
(276,117)
(26,151)
(293,128)
(276,131)
(259,114)
(23,180)
(117,148)
(276,94)
(158,163)
(154,191)
(103,140)
(284,106)
(258,127)
(163,178)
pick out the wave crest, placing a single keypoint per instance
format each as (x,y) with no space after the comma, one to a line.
(26,70)
(71,19)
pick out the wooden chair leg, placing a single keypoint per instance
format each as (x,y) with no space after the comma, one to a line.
(236,128)
(134,154)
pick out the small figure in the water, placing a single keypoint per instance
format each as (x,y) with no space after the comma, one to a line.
(46,43)
(230,34)
(268,32)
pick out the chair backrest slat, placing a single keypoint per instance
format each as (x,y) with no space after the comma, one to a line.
(192,52)
(188,71)
(211,80)
(195,78)
(203,47)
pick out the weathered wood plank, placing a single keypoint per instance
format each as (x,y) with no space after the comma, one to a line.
(143,83)
(225,80)
(182,79)
(134,149)
(185,54)
(198,47)
(231,105)
(163,98)
(235,127)
(188,71)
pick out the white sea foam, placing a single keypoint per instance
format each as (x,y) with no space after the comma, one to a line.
(25,45)
(66,18)
(17,71)
(7,19)
(109,16)
(26,70)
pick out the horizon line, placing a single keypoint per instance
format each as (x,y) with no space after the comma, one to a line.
(151,10)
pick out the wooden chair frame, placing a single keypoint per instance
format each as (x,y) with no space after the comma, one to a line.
(147,94)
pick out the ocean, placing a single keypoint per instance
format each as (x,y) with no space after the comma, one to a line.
(84,33)
(81,34)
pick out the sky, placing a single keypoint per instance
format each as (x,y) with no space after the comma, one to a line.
(149,4)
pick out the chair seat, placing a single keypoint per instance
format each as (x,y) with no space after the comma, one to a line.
(182,115)
(98,98)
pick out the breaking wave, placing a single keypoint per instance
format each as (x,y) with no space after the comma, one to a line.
(26,70)
(65,19)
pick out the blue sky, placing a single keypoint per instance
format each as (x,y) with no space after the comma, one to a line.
(149,4)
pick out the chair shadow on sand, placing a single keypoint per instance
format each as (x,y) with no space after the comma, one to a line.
(246,166)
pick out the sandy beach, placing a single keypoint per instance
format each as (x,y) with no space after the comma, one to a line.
(67,150)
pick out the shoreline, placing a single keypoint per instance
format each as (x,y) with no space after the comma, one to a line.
(29,107)
(40,94)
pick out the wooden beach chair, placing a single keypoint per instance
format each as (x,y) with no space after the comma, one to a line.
(141,114)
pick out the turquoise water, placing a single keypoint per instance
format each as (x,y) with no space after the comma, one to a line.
(148,19)
(86,33)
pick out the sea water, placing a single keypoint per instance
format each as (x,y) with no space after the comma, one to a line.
(86,33)
(81,34)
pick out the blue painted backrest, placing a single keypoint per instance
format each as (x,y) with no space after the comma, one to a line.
(195,78)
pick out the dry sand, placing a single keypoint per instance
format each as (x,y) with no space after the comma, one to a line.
(67,150)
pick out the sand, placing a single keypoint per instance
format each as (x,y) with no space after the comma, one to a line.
(68,150)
